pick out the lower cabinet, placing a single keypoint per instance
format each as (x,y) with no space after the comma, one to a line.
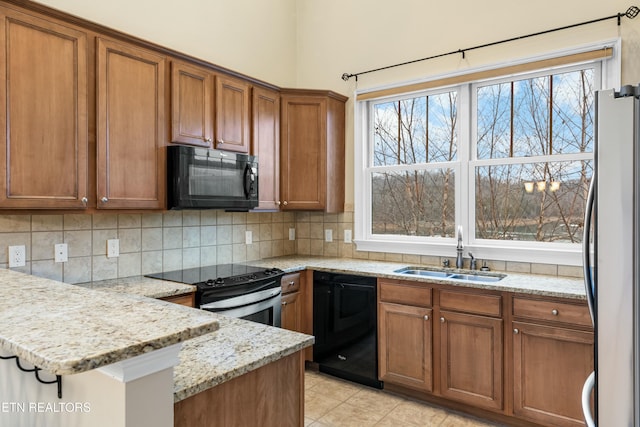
(291,314)
(453,346)
(550,364)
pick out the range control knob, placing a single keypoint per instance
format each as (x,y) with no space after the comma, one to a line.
(219,281)
(253,277)
(209,282)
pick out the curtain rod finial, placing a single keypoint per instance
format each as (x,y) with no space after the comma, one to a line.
(346,76)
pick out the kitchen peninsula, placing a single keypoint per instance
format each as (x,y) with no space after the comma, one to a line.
(115,353)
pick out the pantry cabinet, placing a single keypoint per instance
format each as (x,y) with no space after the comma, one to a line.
(233,114)
(43,113)
(553,354)
(312,150)
(191,105)
(266,145)
(130,127)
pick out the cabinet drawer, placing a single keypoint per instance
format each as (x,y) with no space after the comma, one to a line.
(553,311)
(490,305)
(290,283)
(403,292)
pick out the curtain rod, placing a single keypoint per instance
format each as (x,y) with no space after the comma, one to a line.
(631,13)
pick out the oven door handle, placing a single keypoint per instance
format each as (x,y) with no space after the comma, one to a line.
(250,298)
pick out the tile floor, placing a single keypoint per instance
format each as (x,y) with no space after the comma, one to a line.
(330,401)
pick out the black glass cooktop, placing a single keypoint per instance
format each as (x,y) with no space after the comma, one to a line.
(202,274)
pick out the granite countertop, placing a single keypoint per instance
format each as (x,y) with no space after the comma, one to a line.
(140,285)
(238,347)
(531,284)
(67,329)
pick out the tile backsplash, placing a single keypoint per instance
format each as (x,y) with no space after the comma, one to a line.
(153,242)
(149,242)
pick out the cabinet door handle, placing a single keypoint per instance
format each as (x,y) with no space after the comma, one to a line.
(554,312)
(292,283)
(284,203)
(442,320)
(426,317)
(516,331)
(278,202)
(85,200)
(104,199)
(221,141)
(207,140)
(284,303)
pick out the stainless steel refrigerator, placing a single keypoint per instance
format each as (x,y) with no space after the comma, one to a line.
(611,263)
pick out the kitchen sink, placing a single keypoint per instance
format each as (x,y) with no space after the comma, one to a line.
(423,272)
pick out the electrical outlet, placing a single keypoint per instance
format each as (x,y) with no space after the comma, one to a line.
(61,253)
(17,256)
(292,234)
(248,237)
(113,248)
(328,235)
(347,236)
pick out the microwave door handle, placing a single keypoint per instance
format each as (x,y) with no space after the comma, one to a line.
(246,181)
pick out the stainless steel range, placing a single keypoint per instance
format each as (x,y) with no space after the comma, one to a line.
(236,290)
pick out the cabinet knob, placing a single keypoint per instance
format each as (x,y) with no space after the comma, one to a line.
(104,199)
(442,320)
(84,200)
(207,140)
(426,317)
(221,141)
(554,312)
(516,331)
(284,303)
(278,202)
(292,283)
(284,203)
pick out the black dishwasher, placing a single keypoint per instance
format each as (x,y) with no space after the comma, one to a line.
(344,324)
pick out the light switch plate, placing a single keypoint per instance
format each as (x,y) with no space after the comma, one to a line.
(347,236)
(292,234)
(248,237)
(113,248)
(17,256)
(328,235)
(61,253)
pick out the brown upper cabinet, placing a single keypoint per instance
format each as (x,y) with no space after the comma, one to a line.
(131,166)
(191,105)
(43,114)
(233,109)
(312,150)
(266,145)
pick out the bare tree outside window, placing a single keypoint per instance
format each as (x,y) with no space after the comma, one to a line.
(412,183)
(542,117)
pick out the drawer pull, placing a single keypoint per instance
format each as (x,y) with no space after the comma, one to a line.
(292,283)
(284,303)
(426,317)
(516,331)
(554,312)
(442,320)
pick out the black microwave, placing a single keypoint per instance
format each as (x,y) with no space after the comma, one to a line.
(201,178)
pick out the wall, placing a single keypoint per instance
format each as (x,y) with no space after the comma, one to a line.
(253,37)
(149,243)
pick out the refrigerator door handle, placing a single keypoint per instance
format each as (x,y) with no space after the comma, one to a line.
(586,259)
(586,399)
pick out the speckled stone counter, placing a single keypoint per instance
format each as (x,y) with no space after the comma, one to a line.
(532,284)
(140,285)
(67,329)
(238,347)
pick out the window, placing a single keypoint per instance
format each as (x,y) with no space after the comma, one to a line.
(510,159)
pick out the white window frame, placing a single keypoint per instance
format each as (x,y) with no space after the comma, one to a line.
(608,76)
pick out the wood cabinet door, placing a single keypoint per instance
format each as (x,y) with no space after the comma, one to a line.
(266,145)
(550,366)
(303,153)
(471,359)
(43,113)
(232,114)
(405,346)
(191,105)
(131,160)
(291,313)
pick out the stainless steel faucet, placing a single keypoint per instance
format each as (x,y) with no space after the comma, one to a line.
(459,260)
